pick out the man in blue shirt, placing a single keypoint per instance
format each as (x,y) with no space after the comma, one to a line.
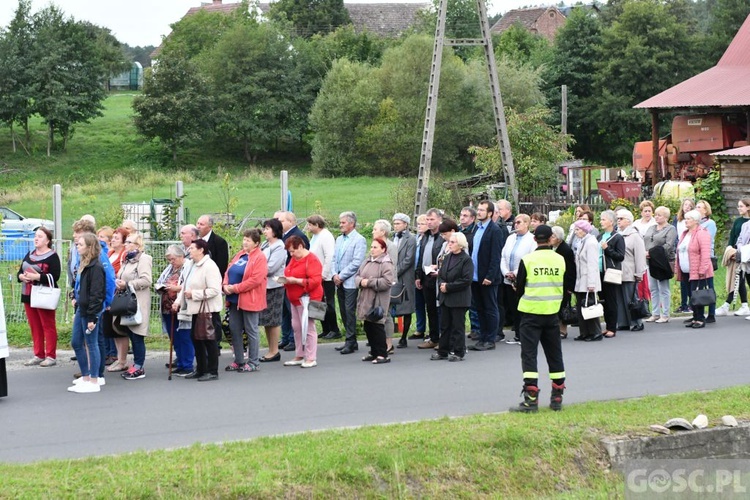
(349,253)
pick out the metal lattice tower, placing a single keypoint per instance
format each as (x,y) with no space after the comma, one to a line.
(428,137)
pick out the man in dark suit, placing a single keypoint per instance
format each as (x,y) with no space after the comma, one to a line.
(486,249)
(407,249)
(219,252)
(429,251)
(289,225)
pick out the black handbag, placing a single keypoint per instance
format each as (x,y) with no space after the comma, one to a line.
(398,291)
(568,315)
(638,307)
(376,312)
(703,296)
(124,303)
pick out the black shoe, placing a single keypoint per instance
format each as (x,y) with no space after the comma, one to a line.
(322,335)
(500,337)
(194,375)
(595,338)
(332,336)
(340,348)
(688,321)
(290,347)
(282,345)
(711,319)
(208,377)
(637,328)
(700,324)
(482,346)
(689,324)
(349,349)
(473,336)
(580,337)
(438,357)
(402,343)
(455,357)
(416,336)
(179,372)
(275,357)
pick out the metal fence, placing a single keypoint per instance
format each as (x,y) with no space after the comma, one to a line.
(12,252)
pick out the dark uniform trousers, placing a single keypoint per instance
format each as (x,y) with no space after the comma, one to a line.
(536,329)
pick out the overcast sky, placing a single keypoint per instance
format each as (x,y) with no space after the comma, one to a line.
(144,22)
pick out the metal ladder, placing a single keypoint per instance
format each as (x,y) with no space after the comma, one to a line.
(428,137)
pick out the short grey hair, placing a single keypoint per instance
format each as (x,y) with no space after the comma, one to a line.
(558,233)
(694,214)
(174,251)
(504,204)
(383,225)
(461,240)
(436,211)
(351,216)
(209,219)
(191,227)
(608,214)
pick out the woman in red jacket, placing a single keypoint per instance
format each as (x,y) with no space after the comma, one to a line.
(245,287)
(694,262)
(303,276)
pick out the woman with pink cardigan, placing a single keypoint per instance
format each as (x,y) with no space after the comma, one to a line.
(694,262)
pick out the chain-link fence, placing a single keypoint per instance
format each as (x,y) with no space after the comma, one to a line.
(12,252)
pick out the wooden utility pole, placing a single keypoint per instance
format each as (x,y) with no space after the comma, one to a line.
(428,137)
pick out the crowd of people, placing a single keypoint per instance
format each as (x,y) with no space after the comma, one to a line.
(488,264)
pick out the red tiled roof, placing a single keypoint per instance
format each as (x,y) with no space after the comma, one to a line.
(733,153)
(726,84)
(525,17)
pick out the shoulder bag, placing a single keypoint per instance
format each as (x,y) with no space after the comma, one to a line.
(398,290)
(45,297)
(611,275)
(124,303)
(638,307)
(591,312)
(316,309)
(204,323)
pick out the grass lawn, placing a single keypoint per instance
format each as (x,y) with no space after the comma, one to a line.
(487,456)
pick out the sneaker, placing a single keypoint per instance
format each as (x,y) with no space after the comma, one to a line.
(513,341)
(84,388)
(134,374)
(247,367)
(742,311)
(179,372)
(99,380)
(747,318)
(33,361)
(309,364)
(723,310)
(53,361)
(454,358)
(234,367)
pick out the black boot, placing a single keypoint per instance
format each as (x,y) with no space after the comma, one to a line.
(530,402)
(555,400)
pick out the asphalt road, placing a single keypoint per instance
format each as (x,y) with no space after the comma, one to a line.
(41,420)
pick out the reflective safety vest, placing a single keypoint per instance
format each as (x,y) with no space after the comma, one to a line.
(543,291)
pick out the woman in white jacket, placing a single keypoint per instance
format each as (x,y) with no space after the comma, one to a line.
(203,283)
(588,282)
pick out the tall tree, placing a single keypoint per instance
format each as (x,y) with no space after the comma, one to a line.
(311,16)
(726,17)
(16,105)
(252,73)
(518,44)
(175,107)
(69,66)
(573,64)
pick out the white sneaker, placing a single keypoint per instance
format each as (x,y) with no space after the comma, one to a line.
(100,380)
(309,364)
(742,311)
(84,388)
(33,361)
(747,318)
(724,310)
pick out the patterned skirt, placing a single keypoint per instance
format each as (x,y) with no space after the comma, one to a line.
(271,315)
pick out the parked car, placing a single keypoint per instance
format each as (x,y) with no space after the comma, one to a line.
(13,221)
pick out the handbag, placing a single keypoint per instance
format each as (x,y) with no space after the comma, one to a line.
(568,315)
(132,319)
(613,276)
(376,312)
(703,296)
(204,324)
(398,290)
(592,312)
(124,303)
(45,297)
(638,307)
(317,309)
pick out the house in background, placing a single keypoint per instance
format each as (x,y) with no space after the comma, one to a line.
(542,21)
(383,19)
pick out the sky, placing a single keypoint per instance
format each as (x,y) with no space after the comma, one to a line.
(145,22)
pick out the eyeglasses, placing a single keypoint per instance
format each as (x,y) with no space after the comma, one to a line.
(518,222)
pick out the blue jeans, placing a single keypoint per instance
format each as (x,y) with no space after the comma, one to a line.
(184,352)
(139,349)
(86,346)
(420,312)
